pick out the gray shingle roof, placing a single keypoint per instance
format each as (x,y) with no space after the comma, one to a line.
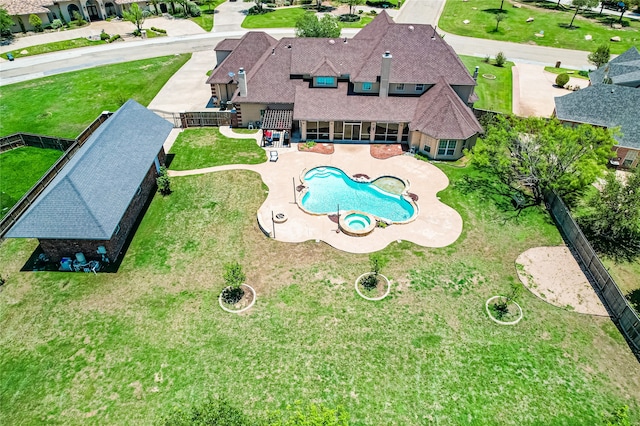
(605,105)
(89,196)
(623,70)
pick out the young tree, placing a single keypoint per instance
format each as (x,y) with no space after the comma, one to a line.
(533,155)
(501,4)
(600,56)
(163,182)
(352,4)
(628,4)
(309,26)
(582,4)
(136,16)
(5,22)
(611,218)
(499,18)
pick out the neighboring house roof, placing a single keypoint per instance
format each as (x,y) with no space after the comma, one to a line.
(245,55)
(90,195)
(604,105)
(442,114)
(25,7)
(623,70)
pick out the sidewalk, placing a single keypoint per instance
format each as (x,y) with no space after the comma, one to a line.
(174,27)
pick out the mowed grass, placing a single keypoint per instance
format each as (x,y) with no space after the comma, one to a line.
(123,348)
(54,47)
(20,169)
(494,95)
(554,23)
(207,147)
(287,18)
(207,12)
(65,104)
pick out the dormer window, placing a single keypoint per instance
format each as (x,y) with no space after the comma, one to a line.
(325,81)
(419,87)
(400,87)
(367,86)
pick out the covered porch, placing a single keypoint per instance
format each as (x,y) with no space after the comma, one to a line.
(277,125)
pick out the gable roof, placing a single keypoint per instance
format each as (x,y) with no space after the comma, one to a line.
(441,114)
(623,70)
(25,7)
(89,196)
(325,68)
(244,55)
(604,105)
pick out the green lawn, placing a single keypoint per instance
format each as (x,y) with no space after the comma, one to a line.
(553,22)
(207,147)
(54,47)
(20,169)
(495,95)
(205,20)
(63,105)
(123,348)
(287,18)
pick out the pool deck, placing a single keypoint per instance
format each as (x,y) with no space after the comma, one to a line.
(436,224)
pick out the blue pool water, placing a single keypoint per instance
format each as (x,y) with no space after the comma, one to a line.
(329,187)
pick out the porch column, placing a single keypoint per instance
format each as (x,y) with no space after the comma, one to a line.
(331,126)
(400,129)
(372,134)
(303,130)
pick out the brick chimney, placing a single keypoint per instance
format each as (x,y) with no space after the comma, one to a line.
(385,72)
(242,82)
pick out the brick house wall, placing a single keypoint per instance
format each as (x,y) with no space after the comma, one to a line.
(57,249)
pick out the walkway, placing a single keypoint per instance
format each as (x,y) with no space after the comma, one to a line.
(437,225)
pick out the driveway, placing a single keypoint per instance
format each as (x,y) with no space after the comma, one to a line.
(534,90)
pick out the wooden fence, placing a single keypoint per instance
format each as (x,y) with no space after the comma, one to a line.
(199,118)
(29,139)
(621,312)
(23,204)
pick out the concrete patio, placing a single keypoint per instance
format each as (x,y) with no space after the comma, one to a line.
(436,224)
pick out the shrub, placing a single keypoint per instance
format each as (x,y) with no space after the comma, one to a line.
(104,36)
(234,277)
(486,59)
(163,181)
(78,18)
(583,73)
(500,59)
(35,22)
(348,18)
(113,38)
(57,23)
(158,30)
(562,79)
(194,10)
(211,412)
(380,3)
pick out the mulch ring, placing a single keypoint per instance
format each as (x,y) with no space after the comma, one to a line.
(384,151)
(318,148)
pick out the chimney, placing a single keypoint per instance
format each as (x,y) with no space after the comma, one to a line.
(385,72)
(476,72)
(242,82)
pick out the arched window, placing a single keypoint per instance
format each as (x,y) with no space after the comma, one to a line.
(72,8)
(110,9)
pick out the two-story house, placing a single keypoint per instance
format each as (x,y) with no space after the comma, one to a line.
(390,83)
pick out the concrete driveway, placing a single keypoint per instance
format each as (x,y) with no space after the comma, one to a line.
(534,90)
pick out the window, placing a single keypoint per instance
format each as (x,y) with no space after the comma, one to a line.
(419,87)
(400,87)
(325,81)
(386,132)
(117,231)
(367,86)
(317,130)
(447,146)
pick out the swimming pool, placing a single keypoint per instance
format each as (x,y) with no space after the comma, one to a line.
(329,187)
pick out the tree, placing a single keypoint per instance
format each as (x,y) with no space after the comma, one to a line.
(309,26)
(582,4)
(5,22)
(529,156)
(352,4)
(501,4)
(211,412)
(499,18)
(234,277)
(136,16)
(610,219)
(500,59)
(600,56)
(258,5)
(36,22)
(628,4)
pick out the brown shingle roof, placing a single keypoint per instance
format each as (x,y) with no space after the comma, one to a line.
(441,114)
(325,68)
(245,55)
(228,44)
(333,104)
(25,7)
